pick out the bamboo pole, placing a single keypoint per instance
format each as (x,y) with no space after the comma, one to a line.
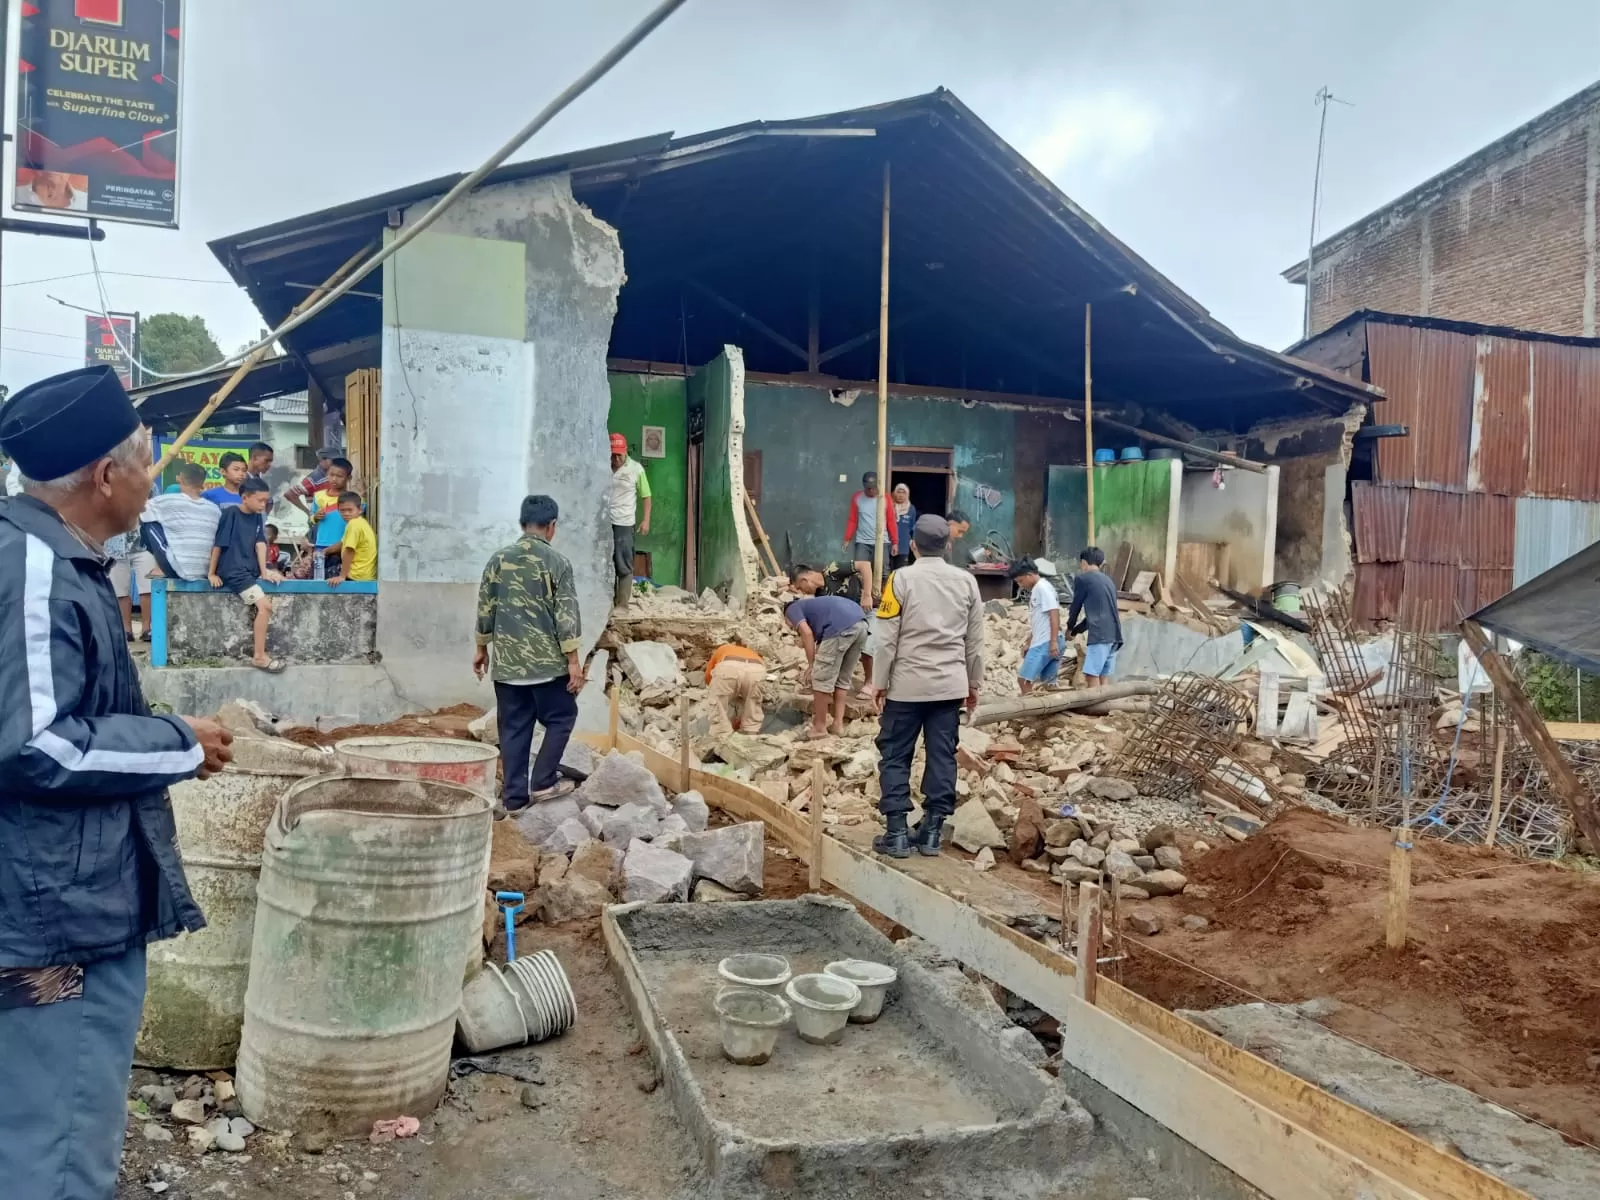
(1499,781)
(883,396)
(1399,906)
(1088,416)
(683,742)
(819,784)
(243,369)
(1088,940)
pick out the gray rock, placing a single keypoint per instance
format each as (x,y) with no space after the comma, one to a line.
(619,780)
(1127,845)
(158,1097)
(230,1142)
(1169,858)
(622,825)
(1144,923)
(538,821)
(710,892)
(241,1127)
(711,602)
(1126,891)
(191,1112)
(1112,789)
(487,727)
(599,862)
(1194,923)
(1078,873)
(1159,835)
(1062,833)
(1145,862)
(972,828)
(996,608)
(201,1139)
(671,591)
(569,835)
(1122,868)
(218,1125)
(694,810)
(655,875)
(156,1133)
(1162,883)
(593,817)
(742,751)
(672,825)
(1089,856)
(730,855)
(573,897)
(578,761)
(649,664)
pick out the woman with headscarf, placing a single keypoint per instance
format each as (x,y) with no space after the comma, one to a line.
(904,515)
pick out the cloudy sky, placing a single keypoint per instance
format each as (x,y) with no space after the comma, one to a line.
(1187,129)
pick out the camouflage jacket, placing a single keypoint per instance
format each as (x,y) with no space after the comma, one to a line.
(528,608)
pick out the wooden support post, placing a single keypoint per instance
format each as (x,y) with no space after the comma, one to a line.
(1499,782)
(813,311)
(316,410)
(248,365)
(883,397)
(683,743)
(1399,907)
(1088,418)
(819,785)
(1566,783)
(615,722)
(1088,940)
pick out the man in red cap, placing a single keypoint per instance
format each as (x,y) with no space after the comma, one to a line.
(629,486)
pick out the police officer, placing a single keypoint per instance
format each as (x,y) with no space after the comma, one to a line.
(89,869)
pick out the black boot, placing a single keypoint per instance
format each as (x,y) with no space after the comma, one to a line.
(895,841)
(925,837)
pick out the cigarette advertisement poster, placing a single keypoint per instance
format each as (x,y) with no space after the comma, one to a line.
(97,109)
(109,340)
(208,454)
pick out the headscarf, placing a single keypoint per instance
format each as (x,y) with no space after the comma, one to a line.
(901,507)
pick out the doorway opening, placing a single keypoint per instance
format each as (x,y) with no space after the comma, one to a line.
(928,472)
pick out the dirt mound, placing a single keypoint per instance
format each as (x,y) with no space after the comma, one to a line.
(449,722)
(1497,989)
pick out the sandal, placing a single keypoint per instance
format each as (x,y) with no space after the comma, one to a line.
(273,666)
(563,787)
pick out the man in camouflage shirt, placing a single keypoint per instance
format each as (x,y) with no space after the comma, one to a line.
(528,610)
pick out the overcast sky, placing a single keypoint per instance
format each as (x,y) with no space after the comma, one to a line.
(1187,129)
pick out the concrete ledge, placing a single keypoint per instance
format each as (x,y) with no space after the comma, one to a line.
(195,625)
(301,692)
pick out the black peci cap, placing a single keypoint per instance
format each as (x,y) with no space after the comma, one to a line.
(53,427)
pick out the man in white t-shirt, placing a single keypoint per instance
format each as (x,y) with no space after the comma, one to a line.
(188,521)
(1042,662)
(629,485)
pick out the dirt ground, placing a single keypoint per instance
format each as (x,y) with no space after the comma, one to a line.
(1497,989)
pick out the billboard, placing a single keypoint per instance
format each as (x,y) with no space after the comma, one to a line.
(109,340)
(97,109)
(207,453)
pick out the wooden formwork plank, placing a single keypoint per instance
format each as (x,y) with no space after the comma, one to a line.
(1278,1132)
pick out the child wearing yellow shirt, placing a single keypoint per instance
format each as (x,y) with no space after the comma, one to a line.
(358,548)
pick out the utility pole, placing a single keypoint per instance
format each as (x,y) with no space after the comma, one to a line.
(1322,99)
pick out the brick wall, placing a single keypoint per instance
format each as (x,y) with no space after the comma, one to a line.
(1507,238)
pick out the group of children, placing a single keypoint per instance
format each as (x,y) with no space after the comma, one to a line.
(220,534)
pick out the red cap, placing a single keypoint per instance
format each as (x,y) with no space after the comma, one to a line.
(619,444)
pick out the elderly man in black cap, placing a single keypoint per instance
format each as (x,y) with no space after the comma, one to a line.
(89,869)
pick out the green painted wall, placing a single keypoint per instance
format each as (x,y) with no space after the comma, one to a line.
(711,389)
(1132,503)
(637,401)
(807,440)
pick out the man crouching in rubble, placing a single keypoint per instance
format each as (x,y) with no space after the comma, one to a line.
(929,659)
(89,868)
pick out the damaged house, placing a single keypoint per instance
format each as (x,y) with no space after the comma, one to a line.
(717,299)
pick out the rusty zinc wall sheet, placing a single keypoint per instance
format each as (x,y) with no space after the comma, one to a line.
(1378,589)
(1380,520)
(1474,589)
(1488,533)
(1433,527)
(1502,413)
(1429,601)
(1429,376)
(1564,459)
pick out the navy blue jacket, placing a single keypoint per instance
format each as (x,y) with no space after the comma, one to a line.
(89,865)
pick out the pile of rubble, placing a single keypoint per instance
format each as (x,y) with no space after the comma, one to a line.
(619,837)
(201,1110)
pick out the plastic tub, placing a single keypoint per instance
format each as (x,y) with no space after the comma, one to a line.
(1132,454)
(547,997)
(492,1014)
(872,980)
(750,1021)
(764,972)
(822,1007)
(1105,457)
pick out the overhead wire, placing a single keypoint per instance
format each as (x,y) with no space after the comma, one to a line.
(578,87)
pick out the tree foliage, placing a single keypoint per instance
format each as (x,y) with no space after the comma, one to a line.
(172,343)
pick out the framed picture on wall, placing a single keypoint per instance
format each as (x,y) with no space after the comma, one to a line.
(653,441)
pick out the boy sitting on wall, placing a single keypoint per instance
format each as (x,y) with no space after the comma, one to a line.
(239,563)
(358,548)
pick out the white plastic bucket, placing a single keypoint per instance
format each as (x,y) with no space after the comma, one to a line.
(750,1022)
(872,979)
(822,1006)
(764,972)
(546,995)
(492,1013)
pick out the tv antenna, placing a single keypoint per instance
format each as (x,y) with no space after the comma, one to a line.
(1322,99)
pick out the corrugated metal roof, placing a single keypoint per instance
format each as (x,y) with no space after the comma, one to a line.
(1428,376)
(1380,517)
(1433,527)
(1379,586)
(1502,412)
(1549,532)
(1488,533)
(1474,589)
(1428,602)
(1565,443)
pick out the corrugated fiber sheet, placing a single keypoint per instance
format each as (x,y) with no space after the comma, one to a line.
(1565,456)
(1550,532)
(1502,406)
(1380,519)
(1429,376)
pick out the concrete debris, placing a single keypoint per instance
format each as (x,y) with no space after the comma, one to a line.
(1157,836)
(594,817)
(652,874)
(744,752)
(711,603)
(860,765)
(573,897)
(1062,833)
(486,728)
(708,891)
(1112,789)
(1122,868)
(972,828)
(974,741)
(554,868)
(231,1143)
(1194,922)
(671,826)
(538,822)
(691,806)
(568,836)
(157,1097)
(730,855)
(599,862)
(1126,891)
(513,867)
(201,1139)
(629,822)
(247,718)
(156,1133)
(649,665)
(191,1112)
(984,860)
(1077,873)
(619,779)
